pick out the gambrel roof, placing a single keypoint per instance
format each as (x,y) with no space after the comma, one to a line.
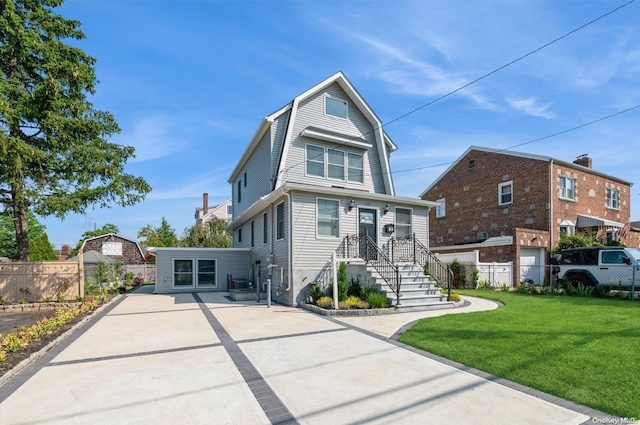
(384,143)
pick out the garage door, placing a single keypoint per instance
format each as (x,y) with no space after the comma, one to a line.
(532,265)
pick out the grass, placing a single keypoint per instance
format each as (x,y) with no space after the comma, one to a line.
(581,349)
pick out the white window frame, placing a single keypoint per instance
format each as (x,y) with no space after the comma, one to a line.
(349,167)
(500,187)
(215,273)
(612,202)
(344,102)
(318,235)
(173,273)
(284,219)
(441,208)
(315,160)
(398,225)
(562,188)
(567,230)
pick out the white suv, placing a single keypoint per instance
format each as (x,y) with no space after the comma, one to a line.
(606,266)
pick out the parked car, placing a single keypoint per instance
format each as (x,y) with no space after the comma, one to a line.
(605,266)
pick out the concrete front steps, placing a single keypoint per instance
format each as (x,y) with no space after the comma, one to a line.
(418,292)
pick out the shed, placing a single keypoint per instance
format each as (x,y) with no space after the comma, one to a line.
(119,248)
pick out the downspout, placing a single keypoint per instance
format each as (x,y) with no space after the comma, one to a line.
(290,243)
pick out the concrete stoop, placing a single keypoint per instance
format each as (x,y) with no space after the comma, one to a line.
(417,291)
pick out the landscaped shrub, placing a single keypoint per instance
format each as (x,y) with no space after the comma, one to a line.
(484,285)
(367,290)
(325,302)
(342,281)
(459,274)
(455,297)
(342,305)
(363,304)
(138,280)
(354,289)
(353,302)
(316,292)
(378,300)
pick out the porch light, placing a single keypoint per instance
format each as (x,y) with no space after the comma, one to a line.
(352,204)
(386,209)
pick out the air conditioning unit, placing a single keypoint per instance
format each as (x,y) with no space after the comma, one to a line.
(482,235)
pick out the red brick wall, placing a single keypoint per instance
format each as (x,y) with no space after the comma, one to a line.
(472,199)
(590,198)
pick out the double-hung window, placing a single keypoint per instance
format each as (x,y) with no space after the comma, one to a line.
(567,188)
(327,218)
(403,222)
(441,208)
(206,273)
(335,107)
(613,198)
(355,163)
(182,272)
(336,164)
(315,161)
(505,193)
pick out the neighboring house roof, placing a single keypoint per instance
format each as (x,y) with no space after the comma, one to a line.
(219,211)
(266,200)
(142,253)
(522,155)
(92,257)
(384,142)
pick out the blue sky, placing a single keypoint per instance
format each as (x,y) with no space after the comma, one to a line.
(189,81)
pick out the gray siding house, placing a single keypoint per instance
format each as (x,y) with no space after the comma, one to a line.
(314,178)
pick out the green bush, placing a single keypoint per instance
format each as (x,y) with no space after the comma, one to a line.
(354,289)
(315,291)
(378,300)
(342,281)
(459,274)
(367,290)
(325,302)
(363,304)
(485,285)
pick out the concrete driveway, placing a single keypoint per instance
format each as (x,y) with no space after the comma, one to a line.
(202,359)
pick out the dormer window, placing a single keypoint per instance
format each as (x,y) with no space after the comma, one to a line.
(335,107)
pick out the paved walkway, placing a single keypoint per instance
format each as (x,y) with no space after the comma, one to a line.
(201,359)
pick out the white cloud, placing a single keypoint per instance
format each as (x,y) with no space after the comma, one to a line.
(530,106)
(153,136)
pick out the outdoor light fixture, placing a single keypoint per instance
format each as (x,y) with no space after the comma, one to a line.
(352,204)
(386,209)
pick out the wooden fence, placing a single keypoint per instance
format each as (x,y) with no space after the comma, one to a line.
(33,281)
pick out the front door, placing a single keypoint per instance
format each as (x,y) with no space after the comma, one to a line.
(367,225)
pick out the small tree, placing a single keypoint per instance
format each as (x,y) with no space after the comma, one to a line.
(342,281)
(459,274)
(578,240)
(212,234)
(162,236)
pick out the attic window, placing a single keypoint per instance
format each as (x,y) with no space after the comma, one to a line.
(335,107)
(472,163)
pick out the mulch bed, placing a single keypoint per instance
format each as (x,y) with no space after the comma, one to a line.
(36,345)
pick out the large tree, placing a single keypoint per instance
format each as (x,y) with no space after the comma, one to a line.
(211,234)
(54,154)
(162,236)
(37,235)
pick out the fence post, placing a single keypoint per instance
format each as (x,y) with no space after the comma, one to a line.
(633,281)
(81,273)
(334,270)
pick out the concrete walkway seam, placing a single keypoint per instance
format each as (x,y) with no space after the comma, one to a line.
(273,407)
(13,379)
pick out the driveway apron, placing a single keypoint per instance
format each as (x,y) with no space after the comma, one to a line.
(202,359)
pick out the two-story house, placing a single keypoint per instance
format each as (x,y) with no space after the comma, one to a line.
(316,171)
(513,207)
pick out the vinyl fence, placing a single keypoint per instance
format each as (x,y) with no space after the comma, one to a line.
(34,281)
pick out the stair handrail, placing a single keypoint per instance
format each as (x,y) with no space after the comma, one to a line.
(411,249)
(390,273)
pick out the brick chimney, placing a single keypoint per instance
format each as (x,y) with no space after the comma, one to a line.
(583,160)
(205,203)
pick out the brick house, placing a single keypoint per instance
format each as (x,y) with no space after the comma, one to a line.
(513,206)
(127,251)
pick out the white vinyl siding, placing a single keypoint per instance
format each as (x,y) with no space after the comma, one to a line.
(613,198)
(259,164)
(327,218)
(310,113)
(505,193)
(567,188)
(403,222)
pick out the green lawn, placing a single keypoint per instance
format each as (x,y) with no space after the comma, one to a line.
(586,350)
